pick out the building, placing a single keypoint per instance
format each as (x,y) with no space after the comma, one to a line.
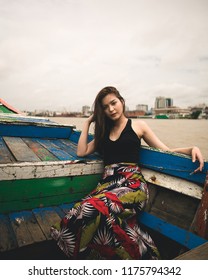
(86,110)
(135,114)
(163,102)
(142,107)
(172,112)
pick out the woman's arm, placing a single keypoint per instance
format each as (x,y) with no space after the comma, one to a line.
(84,148)
(152,140)
(194,152)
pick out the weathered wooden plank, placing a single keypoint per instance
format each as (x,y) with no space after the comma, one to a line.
(20,150)
(17,171)
(174,207)
(198,253)
(39,150)
(181,236)
(26,228)
(71,147)
(50,146)
(202,213)
(46,217)
(66,145)
(68,168)
(172,183)
(5,155)
(174,164)
(7,236)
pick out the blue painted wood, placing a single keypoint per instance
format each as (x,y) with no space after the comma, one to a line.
(71,147)
(74,137)
(181,236)
(173,164)
(177,165)
(19,130)
(65,208)
(67,148)
(50,146)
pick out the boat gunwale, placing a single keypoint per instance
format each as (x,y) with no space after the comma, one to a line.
(55,169)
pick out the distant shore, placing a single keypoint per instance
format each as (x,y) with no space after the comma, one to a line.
(173,132)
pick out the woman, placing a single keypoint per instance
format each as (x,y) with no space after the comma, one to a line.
(103,225)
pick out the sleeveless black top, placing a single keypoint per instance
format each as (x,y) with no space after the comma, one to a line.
(124,149)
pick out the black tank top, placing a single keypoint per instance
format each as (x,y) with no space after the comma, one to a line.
(124,149)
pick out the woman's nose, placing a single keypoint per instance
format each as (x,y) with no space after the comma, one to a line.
(111,108)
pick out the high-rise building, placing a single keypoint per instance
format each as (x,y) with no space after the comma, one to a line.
(85,110)
(163,102)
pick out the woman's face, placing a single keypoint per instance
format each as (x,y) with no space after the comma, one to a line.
(112,106)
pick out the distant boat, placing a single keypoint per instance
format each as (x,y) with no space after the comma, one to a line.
(7,108)
(161,116)
(41,177)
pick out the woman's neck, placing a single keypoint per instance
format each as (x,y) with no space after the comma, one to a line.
(120,122)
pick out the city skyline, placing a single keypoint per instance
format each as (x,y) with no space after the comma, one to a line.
(88,108)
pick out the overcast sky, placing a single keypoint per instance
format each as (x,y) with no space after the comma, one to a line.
(57,54)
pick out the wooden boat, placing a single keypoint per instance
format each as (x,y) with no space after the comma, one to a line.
(7,108)
(41,176)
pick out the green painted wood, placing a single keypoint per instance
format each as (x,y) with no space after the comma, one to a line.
(20,150)
(17,195)
(5,110)
(39,150)
(5,155)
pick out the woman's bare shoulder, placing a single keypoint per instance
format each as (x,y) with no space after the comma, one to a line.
(139,126)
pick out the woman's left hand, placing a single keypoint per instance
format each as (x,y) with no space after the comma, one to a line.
(197,155)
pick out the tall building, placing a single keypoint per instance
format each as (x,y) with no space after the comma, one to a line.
(163,102)
(142,107)
(85,110)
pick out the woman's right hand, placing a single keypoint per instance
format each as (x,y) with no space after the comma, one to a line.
(91,119)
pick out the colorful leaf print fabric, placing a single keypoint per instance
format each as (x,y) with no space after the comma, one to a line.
(104,225)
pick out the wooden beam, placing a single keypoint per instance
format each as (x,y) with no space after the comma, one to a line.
(198,253)
(181,236)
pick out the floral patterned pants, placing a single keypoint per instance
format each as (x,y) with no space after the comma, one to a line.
(104,224)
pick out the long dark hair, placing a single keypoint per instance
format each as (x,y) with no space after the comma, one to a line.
(102,123)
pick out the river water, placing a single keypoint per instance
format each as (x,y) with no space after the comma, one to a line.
(173,132)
